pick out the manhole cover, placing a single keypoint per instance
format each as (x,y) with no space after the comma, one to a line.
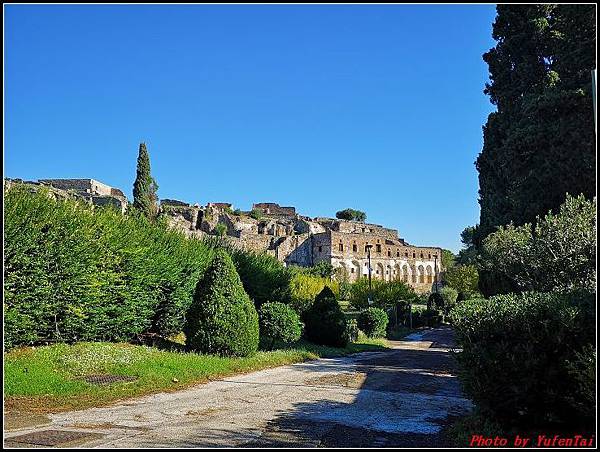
(107,379)
(53,437)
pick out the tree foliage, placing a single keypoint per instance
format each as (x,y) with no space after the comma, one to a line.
(463,278)
(145,187)
(540,143)
(351,215)
(448,259)
(559,252)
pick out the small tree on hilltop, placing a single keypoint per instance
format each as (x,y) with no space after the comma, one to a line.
(222,319)
(351,215)
(145,187)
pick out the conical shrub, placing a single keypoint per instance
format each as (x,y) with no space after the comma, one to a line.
(222,319)
(325,321)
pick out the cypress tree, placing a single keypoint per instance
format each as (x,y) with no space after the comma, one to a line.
(540,143)
(145,187)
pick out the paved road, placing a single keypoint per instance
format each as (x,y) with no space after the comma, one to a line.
(401,397)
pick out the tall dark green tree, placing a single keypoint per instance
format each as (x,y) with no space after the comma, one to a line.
(145,187)
(540,143)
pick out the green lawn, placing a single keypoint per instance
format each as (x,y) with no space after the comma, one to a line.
(48,378)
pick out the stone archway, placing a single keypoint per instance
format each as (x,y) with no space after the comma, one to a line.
(429,271)
(421,271)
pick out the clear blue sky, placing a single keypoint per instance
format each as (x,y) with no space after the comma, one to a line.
(377,108)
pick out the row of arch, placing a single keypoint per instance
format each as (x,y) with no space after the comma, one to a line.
(409,273)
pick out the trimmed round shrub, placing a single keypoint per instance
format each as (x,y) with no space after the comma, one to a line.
(518,355)
(222,319)
(325,322)
(373,322)
(279,322)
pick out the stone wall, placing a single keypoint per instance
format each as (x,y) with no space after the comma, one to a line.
(84,185)
(274,209)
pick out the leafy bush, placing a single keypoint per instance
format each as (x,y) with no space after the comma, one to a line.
(383,293)
(449,296)
(221,229)
(559,252)
(264,277)
(373,322)
(77,273)
(279,322)
(516,350)
(305,287)
(583,370)
(322,270)
(256,214)
(325,322)
(222,319)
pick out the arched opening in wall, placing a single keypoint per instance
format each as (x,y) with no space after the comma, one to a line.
(413,274)
(429,274)
(397,272)
(388,273)
(421,271)
(405,273)
(379,271)
(354,247)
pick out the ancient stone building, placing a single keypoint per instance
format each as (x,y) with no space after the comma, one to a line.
(91,190)
(304,241)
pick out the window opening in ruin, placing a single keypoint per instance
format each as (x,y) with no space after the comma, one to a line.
(414,255)
(378,248)
(320,249)
(389,253)
(354,248)
(341,247)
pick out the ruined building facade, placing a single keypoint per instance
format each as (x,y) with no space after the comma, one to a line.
(299,240)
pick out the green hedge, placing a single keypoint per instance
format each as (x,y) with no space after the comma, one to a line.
(77,273)
(519,352)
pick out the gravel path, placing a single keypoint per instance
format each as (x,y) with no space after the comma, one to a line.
(397,398)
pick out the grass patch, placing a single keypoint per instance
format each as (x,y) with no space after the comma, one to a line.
(48,379)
